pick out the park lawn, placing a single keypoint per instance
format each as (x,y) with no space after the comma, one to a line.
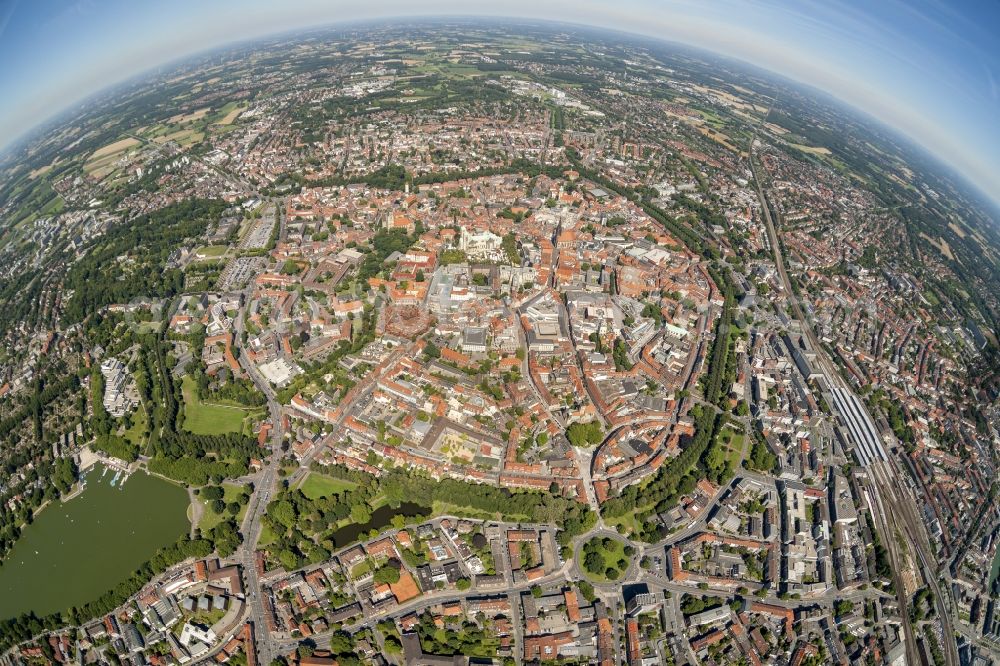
(250,422)
(611,557)
(735,451)
(136,433)
(204,618)
(212,250)
(361,569)
(205,419)
(627,524)
(440,508)
(317,485)
(267,537)
(734,444)
(210,518)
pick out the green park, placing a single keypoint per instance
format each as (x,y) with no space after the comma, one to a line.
(212,418)
(605,559)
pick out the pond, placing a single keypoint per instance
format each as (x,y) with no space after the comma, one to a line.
(380,519)
(77,550)
(995,571)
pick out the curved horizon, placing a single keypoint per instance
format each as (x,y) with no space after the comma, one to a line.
(945,101)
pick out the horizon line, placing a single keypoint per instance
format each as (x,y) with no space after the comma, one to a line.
(21,141)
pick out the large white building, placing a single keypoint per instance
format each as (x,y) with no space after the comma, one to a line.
(118,398)
(481,246)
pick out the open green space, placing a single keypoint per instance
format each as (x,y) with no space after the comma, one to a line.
(631,523)
(203,418)
(361,570)
(377,502)
(604,559)
(441,508)
(227,114)
(77,550)
(318,485)
(627,524)
(267,536)
(469,640)
(203,618)
(136,434)
(210,518)
(733,441)
(212,250)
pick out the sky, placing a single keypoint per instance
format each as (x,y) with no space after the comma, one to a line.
(928,68)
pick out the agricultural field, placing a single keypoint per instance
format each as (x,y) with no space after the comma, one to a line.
(189,117)
(183,137)
(101,162)
(114,148)
(812,150)
(228,114)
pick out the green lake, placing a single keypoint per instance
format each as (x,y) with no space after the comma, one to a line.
(995,569)
(77,550)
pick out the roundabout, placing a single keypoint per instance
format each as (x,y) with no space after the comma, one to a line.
(605,558)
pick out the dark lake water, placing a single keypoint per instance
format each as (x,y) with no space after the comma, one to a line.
(76,551)
(381,518)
